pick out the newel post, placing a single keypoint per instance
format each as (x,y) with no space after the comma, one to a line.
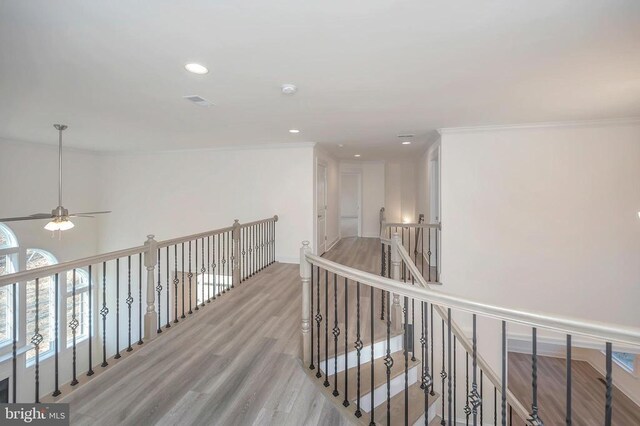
(305,275)
(235,257)
(396,309)
(150,261)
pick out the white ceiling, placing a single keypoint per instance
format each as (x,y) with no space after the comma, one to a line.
(366,69)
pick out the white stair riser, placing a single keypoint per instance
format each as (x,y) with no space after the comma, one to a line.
(431,413)
(379,351)
(396,386)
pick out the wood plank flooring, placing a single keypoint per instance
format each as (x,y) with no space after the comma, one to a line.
(588,392)
(233,363)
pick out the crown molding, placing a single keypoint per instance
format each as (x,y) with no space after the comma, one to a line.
(541,125)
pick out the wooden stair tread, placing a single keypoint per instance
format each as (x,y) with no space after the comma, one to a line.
(416,406)
(379,376)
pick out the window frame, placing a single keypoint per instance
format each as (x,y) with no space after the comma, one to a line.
(11,252)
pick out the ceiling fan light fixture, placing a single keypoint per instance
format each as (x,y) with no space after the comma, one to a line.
(59,224)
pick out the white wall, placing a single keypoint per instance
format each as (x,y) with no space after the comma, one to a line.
(544,219)
(373,193)
(401,191)
(172,194)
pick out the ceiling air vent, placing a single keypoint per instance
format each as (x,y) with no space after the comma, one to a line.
(198,100)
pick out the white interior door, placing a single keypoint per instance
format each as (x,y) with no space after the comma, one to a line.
(350,205)
(321,205)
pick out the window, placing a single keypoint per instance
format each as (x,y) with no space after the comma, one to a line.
(81,305)
(37,258)
(625,360)
(8,256)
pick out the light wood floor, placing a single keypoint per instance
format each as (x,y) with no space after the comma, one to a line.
(234,363)
(588,395)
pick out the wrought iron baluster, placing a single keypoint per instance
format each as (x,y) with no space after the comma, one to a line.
(495,406)
(346,342)
(217,270)
(481,401)
(103,312)
(318,319)
(429,253)
(73,324)
(443,376)
(168,324)
(56,331)
(190,278)
(203,269)
(474,397)
(503,395)
(455,392)
(358,346)
(183,280)
(90,342)
(568,413)
(336,333)
(405,350)
(209,270)
(35,341)
(244,254)
(326,329)
(230,259)
(608,409)
(312,366)
(159,290)
(388,360)
(196,308)
(449,343)
(129,301)
(426,374)
(371,310)
(117,355)
(14,349)
(139,299)
(433,332)
(534,419)
(467,408)
(175,284)
(436,257)
(383,264)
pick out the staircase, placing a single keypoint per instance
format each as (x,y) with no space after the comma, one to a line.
(389,349)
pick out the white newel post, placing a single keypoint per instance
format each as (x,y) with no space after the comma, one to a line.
(150,261)
(396,309)
(305,274)
(236,253)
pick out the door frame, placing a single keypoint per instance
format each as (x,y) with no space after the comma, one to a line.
(323,243)
(357,173)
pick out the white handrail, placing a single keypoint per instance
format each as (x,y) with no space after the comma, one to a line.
(568,325)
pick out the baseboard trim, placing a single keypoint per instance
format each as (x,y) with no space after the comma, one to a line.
(288,259)
(332,245)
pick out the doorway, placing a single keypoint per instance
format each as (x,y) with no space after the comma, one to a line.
(350,201)
(321,207)
(434,186)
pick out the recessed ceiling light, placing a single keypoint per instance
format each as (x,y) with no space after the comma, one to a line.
(340,145)
(294,131)
(196,68)
(406,142)
(288,89)
(357,155)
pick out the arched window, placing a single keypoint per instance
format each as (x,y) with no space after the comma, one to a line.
(37,258)
(8,263)
(79,310)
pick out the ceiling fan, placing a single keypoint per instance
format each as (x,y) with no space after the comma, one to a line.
(59,217)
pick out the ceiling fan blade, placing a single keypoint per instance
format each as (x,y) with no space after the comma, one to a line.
(87,213)
(32,217)
(80,215)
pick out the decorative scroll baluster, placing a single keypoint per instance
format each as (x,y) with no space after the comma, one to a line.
(608,410)
(217,269)
(56,331)
(467,408)
(140,299)
(503,395)
(175,284)
(183,281)
(449,396)
(358,346)
(336,333)
(433,332)
(190,278)
(35,341)
(474,397)
(103,312)
(318,320)
(372,311)
(388,359)
(73,325)
(203,269)
(311,365)
(117,355)
(346,342)
(534,420)
(443,376)
(426,376)
(429,252)
(90,342)
(244,255)
(383,264)
(209,270)
(568,413)
(228,263)
(14,348)
(129,300)
(159,290)
(168,324)
(326,329)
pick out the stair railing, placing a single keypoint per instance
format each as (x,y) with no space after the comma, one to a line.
(128,298)
(345,300)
